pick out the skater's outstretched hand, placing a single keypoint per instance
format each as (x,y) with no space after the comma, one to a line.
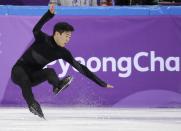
(109,86)
(52,7)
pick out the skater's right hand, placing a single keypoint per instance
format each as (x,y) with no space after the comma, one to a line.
(52,7)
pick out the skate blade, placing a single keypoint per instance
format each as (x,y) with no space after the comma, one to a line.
(64,87)
(36,113)
(43,117)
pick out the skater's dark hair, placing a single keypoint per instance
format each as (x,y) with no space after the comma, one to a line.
(62,27)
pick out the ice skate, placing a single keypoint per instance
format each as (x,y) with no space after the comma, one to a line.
(64,83)
(36,109)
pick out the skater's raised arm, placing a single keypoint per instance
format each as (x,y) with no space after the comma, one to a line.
(84,70)
(47,16)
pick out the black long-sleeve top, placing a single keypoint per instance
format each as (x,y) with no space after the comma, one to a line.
(45,50)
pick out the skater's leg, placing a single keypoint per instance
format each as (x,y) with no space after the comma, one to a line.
(50,75)
(43,75)
(21,78)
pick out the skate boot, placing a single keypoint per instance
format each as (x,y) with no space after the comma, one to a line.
(64,83)
(36,109)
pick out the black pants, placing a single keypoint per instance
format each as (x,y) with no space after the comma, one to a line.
(26,77)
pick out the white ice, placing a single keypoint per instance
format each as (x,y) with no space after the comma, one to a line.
(91,119)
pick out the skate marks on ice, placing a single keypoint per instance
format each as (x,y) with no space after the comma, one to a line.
(91,119)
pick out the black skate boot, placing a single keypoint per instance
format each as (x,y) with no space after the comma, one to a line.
(64,83)
(36,109)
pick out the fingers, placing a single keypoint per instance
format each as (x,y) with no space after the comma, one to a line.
(53,2)
(109,86)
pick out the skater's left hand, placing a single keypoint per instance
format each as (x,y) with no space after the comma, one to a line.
(109,86)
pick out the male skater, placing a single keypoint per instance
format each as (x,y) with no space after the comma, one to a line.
(28,70)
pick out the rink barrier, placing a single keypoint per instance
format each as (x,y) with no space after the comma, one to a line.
(93,11)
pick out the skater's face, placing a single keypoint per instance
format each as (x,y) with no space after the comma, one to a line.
(62,38)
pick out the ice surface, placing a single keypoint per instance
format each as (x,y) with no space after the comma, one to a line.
(91,119)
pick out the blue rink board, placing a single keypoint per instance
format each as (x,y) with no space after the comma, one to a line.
(92,11)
